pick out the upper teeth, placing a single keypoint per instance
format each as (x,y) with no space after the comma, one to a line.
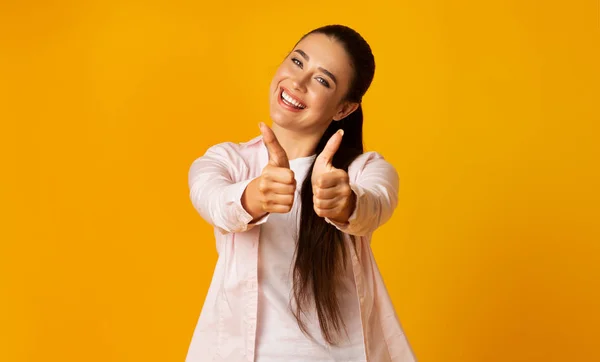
(288,98)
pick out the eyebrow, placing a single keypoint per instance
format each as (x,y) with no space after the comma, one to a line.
(305,56)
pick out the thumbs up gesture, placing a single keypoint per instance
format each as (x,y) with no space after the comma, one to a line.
(332,196)
(274,189)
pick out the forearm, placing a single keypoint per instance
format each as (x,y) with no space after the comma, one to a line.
(216,193)
(376,193)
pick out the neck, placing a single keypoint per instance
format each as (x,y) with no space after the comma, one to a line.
(297,144)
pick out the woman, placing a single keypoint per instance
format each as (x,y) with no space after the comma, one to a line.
(294,210)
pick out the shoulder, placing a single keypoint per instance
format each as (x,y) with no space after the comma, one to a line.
(233,150)
(238,160)
(369,160)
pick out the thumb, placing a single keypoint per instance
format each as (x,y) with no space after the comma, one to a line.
(331,147)
(277,155)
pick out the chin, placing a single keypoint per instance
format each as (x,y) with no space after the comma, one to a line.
(280,119)
(277,115)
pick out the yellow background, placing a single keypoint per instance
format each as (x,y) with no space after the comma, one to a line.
(488,109)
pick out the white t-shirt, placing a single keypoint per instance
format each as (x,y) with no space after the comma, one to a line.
(278,336)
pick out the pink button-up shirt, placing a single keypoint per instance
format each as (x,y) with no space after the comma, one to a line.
(226,330)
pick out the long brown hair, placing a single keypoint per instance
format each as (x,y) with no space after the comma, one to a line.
(320,251)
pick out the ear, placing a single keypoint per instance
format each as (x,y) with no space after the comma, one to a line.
(345,109)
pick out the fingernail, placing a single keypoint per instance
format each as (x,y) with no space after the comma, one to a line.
(341,131)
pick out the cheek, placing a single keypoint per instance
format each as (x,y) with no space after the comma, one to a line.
(283,73)
(279,75)
(324,101)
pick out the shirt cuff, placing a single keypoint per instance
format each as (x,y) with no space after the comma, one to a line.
(243,217)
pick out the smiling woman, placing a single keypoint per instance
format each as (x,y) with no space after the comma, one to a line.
(294,210)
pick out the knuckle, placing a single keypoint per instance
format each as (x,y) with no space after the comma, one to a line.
(344,177)
(346,190)
(321,180)
(318,192)
(290,176)
(262,186)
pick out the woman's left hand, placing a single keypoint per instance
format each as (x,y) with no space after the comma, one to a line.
(332,196)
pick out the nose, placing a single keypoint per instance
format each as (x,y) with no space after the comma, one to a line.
(300,80)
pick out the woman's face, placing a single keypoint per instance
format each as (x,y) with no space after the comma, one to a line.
(309,87)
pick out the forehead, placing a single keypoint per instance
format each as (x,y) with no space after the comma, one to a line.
(326,52)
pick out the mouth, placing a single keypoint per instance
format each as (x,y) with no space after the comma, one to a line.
(290,101)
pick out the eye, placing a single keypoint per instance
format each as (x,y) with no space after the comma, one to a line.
(297,62)
(323,81)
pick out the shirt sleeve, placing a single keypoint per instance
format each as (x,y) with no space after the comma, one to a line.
(375,183)
(214,192)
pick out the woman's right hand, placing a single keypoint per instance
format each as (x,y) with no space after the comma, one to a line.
(274,189)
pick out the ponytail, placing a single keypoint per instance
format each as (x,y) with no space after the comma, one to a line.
(320,251)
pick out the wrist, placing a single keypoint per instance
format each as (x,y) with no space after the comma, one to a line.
(251,202)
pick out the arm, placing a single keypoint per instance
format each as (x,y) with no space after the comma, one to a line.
(375,183)
(214,192)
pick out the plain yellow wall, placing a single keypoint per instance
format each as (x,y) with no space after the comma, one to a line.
(489,111)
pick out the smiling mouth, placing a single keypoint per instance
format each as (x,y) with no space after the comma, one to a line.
(288,100)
